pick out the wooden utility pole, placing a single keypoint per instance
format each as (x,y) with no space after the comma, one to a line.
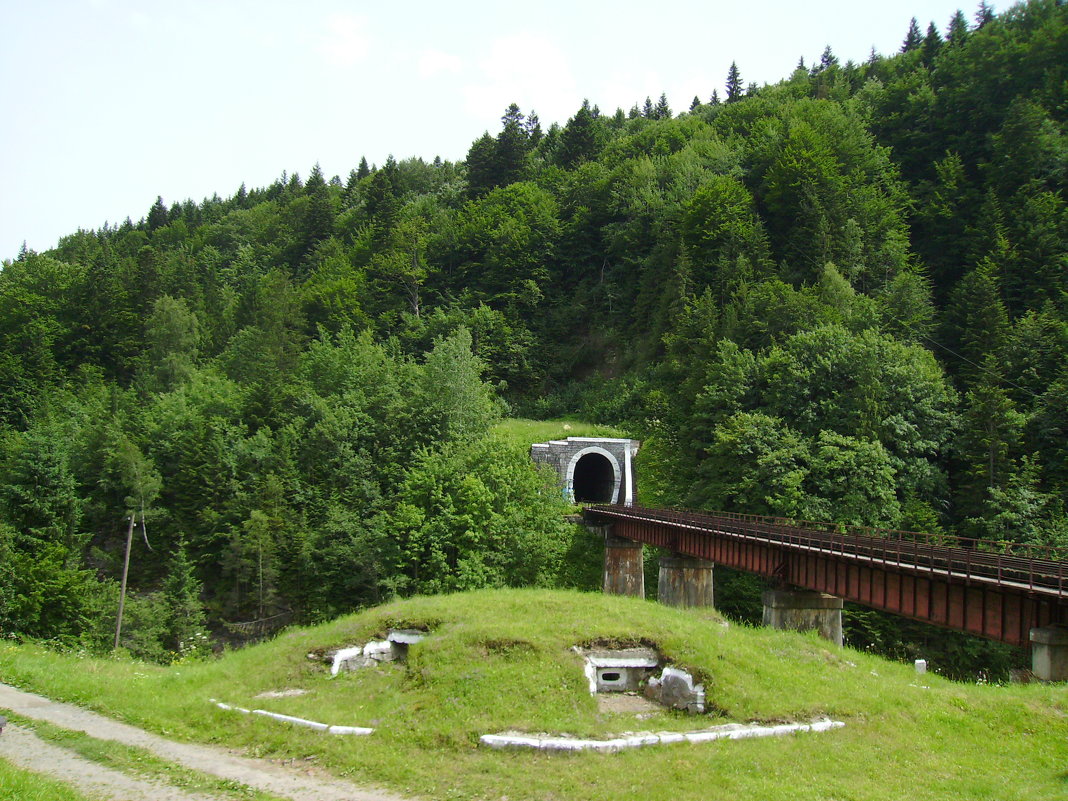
(125,571)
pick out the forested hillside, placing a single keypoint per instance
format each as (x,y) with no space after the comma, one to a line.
(841,297)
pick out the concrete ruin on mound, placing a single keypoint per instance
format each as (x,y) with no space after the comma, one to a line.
(376,652)
(618,670)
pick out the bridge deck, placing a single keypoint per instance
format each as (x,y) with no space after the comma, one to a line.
(960,584)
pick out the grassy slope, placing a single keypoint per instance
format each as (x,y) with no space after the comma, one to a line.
(17,784)
(522,433)
(500,660)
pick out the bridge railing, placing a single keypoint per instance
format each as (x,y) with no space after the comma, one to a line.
(1036,567)
(1025,550)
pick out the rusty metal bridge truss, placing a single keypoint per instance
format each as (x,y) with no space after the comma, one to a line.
(995,590)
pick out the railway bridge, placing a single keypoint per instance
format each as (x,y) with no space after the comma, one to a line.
(1010,592)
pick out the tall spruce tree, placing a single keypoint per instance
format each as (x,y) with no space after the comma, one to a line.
(913,39)
(958,29)
(734,83)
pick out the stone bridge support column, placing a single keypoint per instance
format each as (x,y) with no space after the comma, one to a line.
(804,610)
(624,566)
(685,581)
(1049,653)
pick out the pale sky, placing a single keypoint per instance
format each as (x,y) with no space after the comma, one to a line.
(109,103)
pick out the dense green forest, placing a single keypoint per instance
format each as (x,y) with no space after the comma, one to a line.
(841,297)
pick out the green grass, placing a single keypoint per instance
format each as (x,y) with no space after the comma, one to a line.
(139,762)
(500,660)
(17,784)
(523,433)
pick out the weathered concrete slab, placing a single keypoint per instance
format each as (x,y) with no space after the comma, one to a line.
(730,731)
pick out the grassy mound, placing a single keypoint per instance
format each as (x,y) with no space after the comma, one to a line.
(501,660)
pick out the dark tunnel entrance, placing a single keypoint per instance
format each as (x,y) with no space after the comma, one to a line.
(594,479)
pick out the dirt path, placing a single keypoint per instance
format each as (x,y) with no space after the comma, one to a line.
(25,749)
(261,774)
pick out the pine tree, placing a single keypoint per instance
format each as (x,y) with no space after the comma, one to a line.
(976,320)
(983,15)
(695,104)
(363,170)
(481,166)
(580,140)
(157,215)
(511,148)
(647,110)
(662,110)
(828,59)
(734,83)
(533,129)
(714,100)
(958,29)
(932,43)
(181,591)
(913,39)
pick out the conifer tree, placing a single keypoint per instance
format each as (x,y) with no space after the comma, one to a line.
(363,170)
(662,110)
(976,320)
(913,39)
(511,148)
(958,29)
(695,103)
(533,129)
(157,215)
(714,100)
(580,140)
(481,166)
(932,43)
(647,110)
(734,83)
(983,15)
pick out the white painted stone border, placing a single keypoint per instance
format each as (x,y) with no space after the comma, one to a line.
(731,731)
(311,724)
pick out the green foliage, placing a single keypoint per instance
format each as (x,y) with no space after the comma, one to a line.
(776,293)
(476,515)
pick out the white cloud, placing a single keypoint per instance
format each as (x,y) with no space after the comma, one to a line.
(346,43)
(527,69)
(436,62)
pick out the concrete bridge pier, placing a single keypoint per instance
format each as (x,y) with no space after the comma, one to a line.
(1049,653)
(624,566)
(804,610)
(685,581)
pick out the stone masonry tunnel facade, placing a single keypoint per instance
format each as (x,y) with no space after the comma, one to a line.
(591,469)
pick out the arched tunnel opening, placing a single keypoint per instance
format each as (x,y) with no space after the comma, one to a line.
(594,479)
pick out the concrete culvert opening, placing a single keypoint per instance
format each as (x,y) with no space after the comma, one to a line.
(594,479)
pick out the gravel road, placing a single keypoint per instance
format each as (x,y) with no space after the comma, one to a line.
(21,747)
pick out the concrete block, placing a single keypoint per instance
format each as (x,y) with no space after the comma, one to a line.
(804,610)
(1049,653)
(685,581)
(624,567)
(620,670)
